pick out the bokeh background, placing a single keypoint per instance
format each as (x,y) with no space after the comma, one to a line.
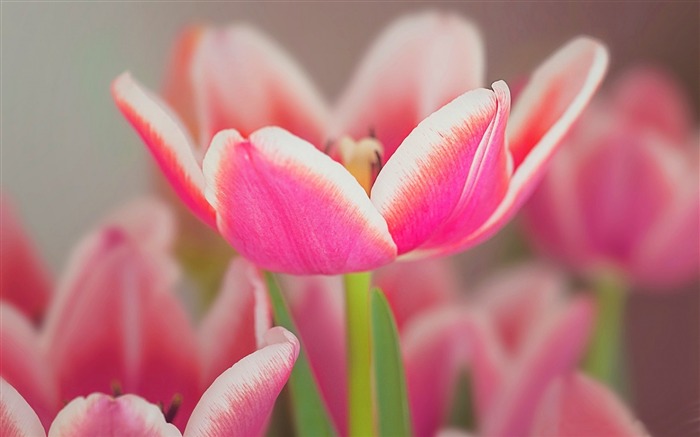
(68,157)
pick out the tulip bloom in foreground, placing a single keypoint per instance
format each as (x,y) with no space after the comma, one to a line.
(623,193)
(415,166)
(238,403)
(115,324)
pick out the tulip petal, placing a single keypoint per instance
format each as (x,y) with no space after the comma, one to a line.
(116,320)
(147,220)
(318,308)
(552,351)
(242,80)
(399,82)
(449,173)
(17,419)
(556,95)
(234,326)
(578,406)
(23,364)
(289,208)
(414,287)
(436,347)
(240,401)
(24,280)
(167,140)
(650,98)
(105,416)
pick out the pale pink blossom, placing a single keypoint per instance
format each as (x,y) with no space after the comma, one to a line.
(446,169)
(115,324)
(239,402)
(623,193)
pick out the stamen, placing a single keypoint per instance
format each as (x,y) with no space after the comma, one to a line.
(173,408)
(116,389)
(372,132)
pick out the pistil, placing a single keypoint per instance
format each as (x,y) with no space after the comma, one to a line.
(362,158)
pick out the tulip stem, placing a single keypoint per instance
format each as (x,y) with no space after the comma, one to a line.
(357,307)
(605,354)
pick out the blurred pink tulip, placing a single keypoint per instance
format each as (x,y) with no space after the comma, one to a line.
(24,280)
(239,402)
(114,323)
(623,193)
(438,177)
(521,337)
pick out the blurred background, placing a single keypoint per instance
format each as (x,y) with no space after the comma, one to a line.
(68,157)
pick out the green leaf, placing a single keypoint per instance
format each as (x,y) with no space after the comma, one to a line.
(392,400)
(310,414)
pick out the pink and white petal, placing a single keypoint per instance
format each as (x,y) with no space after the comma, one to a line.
(242,80)
(651,99)
(318,307)
(551,102)
(414,287)
(397,84)
(17,419)
(167,140)
(23,364)
(24,279)
(517,299)
(177,89)
(240,401)
(437,346)
(552,351)
(105,416)
(433,172)
(290,208)
(577,406)
(115,319)
(234,326)
(147,220)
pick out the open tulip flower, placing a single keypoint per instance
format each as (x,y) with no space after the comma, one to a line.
(415,160)
(114,323)
(623,194)
(238,403)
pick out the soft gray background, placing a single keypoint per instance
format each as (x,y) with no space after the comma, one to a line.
(68,156)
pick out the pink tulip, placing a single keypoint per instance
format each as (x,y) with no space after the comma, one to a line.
(24,280)
(114,323)
(438,177)
(623,193)
(521,337)
(239,402)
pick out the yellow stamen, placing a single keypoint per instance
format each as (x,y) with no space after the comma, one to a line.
(362,159)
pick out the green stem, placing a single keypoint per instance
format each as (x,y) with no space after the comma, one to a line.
(357,310)
(604,359)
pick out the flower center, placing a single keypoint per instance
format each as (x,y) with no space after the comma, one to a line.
(362,158)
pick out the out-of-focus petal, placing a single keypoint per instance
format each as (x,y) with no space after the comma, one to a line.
(102,415)
(318,308)
(449,174)
(24,366)
(436,347)
(651,100)
(240,401)
(24,280)
(420,63)
(178,91)
(244,81)
(290,208)
(17,419)
(147,220)
(518,299)
(552,100)
(577,406)
(116,320)
(168,141)
(552,351)
(234,326)
(414,287)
